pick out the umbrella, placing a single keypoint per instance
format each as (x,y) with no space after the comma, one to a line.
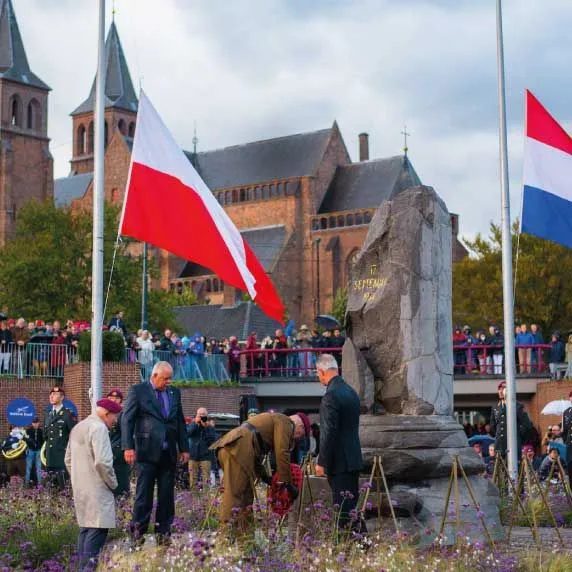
(556,407)
(484,440)
(561,448)
(327,322)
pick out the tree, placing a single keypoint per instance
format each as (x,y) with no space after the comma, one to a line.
(339,305)
(45,271)
(543,293)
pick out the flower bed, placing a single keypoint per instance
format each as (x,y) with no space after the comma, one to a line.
(38,532)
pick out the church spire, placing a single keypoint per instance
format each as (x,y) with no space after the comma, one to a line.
(13,60)
(119,91)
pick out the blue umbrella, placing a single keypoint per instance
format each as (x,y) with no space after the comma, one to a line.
(484,440)
(327,322)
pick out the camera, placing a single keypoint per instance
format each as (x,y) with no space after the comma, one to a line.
(204,418)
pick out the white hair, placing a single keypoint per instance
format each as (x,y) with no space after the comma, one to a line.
(326,362)
(160,365)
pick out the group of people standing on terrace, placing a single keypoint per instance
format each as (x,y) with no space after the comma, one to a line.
(484,352)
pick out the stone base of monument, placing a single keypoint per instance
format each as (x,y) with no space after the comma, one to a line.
(413,447)
(416,453)
(418,507)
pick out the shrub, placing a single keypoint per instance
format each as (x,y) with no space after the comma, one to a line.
(113,346)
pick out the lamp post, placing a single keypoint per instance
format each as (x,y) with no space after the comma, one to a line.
(317,243)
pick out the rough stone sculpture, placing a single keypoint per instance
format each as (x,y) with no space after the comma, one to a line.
(399,358)
(399,306)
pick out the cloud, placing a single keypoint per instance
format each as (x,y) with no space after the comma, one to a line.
(251,69)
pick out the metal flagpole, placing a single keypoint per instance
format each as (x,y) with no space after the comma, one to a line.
(98,206)
(508,301)
(144,288)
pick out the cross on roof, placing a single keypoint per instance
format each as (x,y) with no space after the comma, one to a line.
(405,136)
(113,9)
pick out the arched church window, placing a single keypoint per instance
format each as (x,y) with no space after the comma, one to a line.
(34,119)
(215,284)
(121,126)
(366,217)
(16,111)
(90,138)
(209,285)
(81,140)
(350,220)
(105,135)
(131,129)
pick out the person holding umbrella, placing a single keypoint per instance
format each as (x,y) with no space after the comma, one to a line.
(567,435)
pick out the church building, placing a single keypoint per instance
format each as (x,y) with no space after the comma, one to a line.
(298,199)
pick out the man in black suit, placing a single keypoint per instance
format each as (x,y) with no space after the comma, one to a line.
(340,456)
(153,435)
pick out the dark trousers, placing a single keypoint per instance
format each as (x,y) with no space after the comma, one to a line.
(89,545)
(345,492)
(569,469)
(162,473)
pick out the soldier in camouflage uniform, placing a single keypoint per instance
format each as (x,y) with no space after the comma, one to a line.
(567,435)
(58,424)
(498,423)
(120,466)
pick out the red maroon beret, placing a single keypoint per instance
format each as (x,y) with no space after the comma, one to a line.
(501,384)
(109,405)
(115,393)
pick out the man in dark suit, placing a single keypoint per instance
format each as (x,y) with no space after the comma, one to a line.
(153,435)
(340,456)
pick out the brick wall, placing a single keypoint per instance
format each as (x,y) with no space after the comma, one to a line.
(215,399)
(547,391)
(36,389)
(77,381)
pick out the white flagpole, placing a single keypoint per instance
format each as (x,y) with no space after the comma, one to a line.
(508,301)
(98,206)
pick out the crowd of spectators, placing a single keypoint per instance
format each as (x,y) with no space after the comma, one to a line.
(543,451)
(483,352)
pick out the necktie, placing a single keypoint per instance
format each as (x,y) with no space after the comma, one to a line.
(163,402)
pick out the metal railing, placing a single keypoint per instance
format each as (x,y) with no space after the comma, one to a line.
(291,362)
(36,360)
(186,367)
(488,360)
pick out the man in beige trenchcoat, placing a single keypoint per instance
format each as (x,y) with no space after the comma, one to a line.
(89,461)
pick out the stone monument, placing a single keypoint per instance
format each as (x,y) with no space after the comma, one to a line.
(399,358)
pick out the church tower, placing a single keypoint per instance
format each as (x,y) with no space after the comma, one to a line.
(26,165)
(120,106)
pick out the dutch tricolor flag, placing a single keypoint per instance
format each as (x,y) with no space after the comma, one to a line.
(547,176)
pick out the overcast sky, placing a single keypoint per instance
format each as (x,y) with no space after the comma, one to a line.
(254,69)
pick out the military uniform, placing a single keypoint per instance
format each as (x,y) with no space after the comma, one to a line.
(57,429)
(240,453)
(567,436)
(498,422)
(120,465)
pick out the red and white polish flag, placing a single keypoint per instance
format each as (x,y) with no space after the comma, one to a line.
(168,205)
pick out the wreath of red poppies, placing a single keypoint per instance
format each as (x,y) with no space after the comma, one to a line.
(277,495)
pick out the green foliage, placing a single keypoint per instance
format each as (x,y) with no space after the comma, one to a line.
(339,305)
(113,346)
(543,283)
(45,270)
